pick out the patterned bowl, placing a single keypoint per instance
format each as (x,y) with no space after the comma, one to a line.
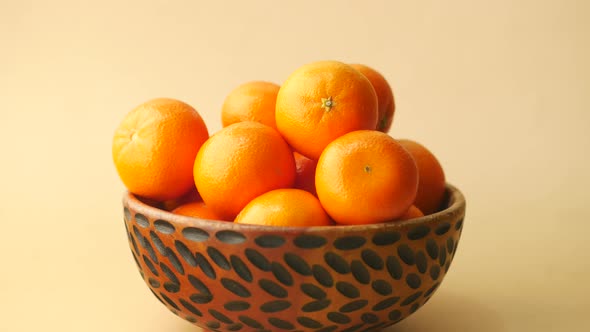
(223,276)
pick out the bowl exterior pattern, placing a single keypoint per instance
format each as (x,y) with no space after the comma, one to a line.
(226,277)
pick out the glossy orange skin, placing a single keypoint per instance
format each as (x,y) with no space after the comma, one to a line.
(251,101)
(322,101)
(284,207)
(305,173)
(431,187)
(154,148)
(366,177)
(413,212)
(385,98)
(198,210)
(240,162)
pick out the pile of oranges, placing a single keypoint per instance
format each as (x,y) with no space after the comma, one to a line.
(311,152)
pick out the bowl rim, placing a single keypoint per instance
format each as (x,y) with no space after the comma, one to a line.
(454,196)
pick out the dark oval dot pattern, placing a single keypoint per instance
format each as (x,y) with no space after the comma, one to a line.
(349,242)
(354,306)
(442,229)
(360,272)
(338,318)
(240,268)
(372,259)
(322,276)
(190,308)
(406,254)
(413,280)
(450,245)
(442,258)
(313,291)
(297,264)
(280,323)
(410,299)
(434,272)
(418,232)
(257,259)
(421,262)
(394,267)
(174,261)
(275,306)
(205,266)
(369,318)
(337,263)
(309,322)
(310,241)
(230,237)
(235,287)
(432,248)
(382,287)
(198,285)
(141,220)
(386,238)
(347,289)
(218,258)
(158,243)
(171,287)
(164,227)
(387,303)
(316,305)
(359,267)
(220,317)
(270,241)
(250,322)
(195,234)
(236,306)
(273,288)
(281,273)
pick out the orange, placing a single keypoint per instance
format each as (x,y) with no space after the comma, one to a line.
(154,148)
(385,99)
(251,101)
(322,101)
(366,177)
(431,187)
(240,162)
(284,207)
(198,210)
(305,173)
(413,212)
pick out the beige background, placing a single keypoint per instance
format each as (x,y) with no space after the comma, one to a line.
(499,90)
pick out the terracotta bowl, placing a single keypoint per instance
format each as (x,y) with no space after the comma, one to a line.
(223,276)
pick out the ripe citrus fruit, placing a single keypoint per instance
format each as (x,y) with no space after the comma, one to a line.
(284,207)
(240,162)
(322,101)
(149,138)
(413,212)
(366,177)
(305,173)
(198,210)
(431,186)
(251,101)
(385,99)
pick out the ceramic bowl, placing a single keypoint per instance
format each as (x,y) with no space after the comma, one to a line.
(223,276)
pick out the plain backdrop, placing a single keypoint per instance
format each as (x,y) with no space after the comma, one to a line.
(498,90)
